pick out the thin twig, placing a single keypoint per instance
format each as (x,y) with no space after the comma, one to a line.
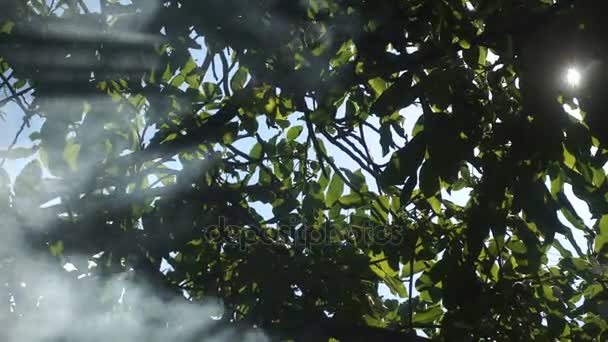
(15,96)
(84,7)
(411,286)
(350,154)
(27,113)
(315,143)
(225,74)
(363,142)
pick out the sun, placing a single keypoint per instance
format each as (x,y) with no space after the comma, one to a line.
(573,77)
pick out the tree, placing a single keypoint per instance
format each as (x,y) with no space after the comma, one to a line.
(219,136)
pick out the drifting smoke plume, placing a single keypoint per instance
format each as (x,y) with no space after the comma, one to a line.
(48,304)
(63,299)
(45,302)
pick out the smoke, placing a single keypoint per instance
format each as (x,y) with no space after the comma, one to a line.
(63,298)
(62,54)
(44,302)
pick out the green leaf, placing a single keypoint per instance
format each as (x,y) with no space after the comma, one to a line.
(599,176)
(435,204)
(170,137)
(188,67)
(336,187)
(548,293)
(350,201)
(404,162)
(557,185)
(379,265)
(70,155)
(256,151)
(345,52)
(475,57)
(438,87)
(178,80)
(400,95)
(357,179)
(19,84)
(210,91)
(378,85)
(7,27)
(167,74)
(419,266)
(602,237)
(517,246)
(35,136)
(321,117)
(239,79)
(294,132)
(56,248)
(565,253)
(386,138)
(323,181)
(569,159)
(381,205)
(396,286)
(464,44)
(428,316)
(429,180)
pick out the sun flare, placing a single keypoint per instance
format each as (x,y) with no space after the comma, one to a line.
(573,77)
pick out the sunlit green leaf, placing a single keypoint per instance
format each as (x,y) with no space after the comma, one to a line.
(334,192)
(238,80)
(70,155)
(294,132)
(256,151)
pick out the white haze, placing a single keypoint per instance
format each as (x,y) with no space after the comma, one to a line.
(44,302)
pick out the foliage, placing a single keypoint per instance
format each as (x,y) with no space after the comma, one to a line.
(228,167)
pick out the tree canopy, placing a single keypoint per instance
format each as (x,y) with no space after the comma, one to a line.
(328,169)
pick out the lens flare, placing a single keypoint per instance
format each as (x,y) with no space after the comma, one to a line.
(573,77)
